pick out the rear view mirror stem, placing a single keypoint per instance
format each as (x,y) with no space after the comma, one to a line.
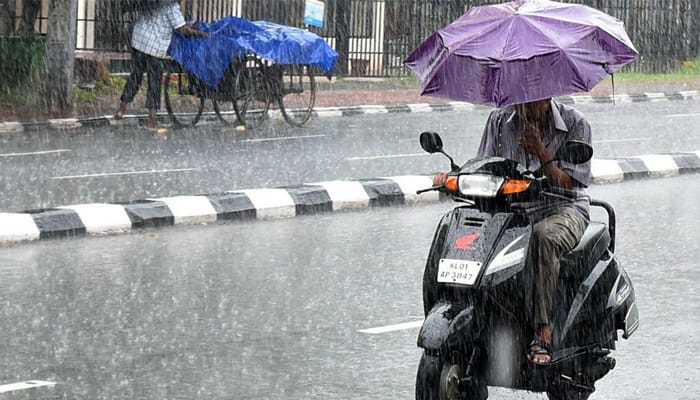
(454,167)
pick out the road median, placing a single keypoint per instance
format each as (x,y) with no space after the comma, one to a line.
(68,124)
(284,202)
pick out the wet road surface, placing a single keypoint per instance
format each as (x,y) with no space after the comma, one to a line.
(274,309)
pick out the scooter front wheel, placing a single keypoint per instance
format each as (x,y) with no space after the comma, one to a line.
(438,381)
(428,378)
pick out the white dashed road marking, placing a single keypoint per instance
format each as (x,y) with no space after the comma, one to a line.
(683,115)
(392,328)
(621,140)
(387,156)
(11,387)
(35,153)
(282,138)
(154,171)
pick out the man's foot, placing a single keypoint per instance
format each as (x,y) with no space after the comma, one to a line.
(152,124)
(120,112)
(539,351)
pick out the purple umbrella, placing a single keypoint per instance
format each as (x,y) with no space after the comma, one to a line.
(521,51)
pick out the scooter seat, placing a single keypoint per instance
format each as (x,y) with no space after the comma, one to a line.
(580,261)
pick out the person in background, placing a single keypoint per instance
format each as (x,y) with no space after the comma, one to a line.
(150,42)
(531,133)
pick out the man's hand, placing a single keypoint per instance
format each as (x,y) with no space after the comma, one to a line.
(192,31)
(440,179)
(531,140)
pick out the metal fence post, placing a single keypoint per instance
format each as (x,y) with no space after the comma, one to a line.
(342,35)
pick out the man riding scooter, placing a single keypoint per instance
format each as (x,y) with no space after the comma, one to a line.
(531,133)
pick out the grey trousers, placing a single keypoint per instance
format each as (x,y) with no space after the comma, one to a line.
(552,237)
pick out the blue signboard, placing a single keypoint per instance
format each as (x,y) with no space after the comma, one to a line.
(314,12)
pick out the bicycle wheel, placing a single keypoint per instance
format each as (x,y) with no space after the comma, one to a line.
(223,95)
(297,93)
(226,112)
(252,92)
(184,97)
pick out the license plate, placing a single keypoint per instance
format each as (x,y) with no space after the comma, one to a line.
(461,272)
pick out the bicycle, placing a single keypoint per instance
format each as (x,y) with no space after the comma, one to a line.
(261,83)
(248,88)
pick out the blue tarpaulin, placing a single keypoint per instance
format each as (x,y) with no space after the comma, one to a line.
(232,37)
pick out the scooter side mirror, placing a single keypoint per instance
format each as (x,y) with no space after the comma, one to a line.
(575,152)
(431,142)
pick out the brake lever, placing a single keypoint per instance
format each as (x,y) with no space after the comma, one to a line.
(430,189)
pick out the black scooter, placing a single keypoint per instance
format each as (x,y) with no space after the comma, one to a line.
(477,287)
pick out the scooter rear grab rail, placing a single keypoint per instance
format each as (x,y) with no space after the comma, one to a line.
(611,220)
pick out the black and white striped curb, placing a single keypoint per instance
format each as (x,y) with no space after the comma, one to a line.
(329,112)
(284,202)
(275,203)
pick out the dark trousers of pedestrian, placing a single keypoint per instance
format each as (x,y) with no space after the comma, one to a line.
(552,237)
(142,63)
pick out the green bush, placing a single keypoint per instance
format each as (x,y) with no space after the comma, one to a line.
(84,96)
(110,84)
(21,61)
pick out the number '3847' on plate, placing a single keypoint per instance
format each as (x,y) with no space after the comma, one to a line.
(462,272)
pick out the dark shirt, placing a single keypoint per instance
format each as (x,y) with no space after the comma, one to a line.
(504,128)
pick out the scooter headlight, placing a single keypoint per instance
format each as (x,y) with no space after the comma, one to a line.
(479,185)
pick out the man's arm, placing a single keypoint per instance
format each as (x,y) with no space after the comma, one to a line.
(554,174)
(191,31)
(177,21)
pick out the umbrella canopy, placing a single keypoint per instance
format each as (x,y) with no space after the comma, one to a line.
(521,51)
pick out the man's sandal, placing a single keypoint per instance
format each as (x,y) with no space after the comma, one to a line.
(539,347)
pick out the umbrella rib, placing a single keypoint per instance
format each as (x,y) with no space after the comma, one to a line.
(559,18)
(575,70)
(505,42)
(501,59)
(544,34)
(561,52)
(462,41)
